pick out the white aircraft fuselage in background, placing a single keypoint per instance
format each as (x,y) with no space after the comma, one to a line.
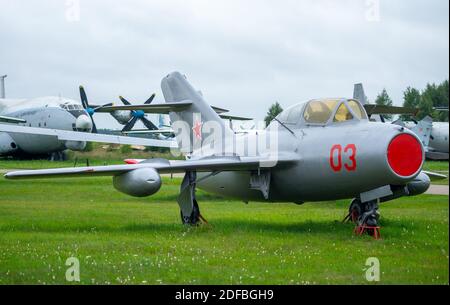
(439,136)
(45,112)
(439,140)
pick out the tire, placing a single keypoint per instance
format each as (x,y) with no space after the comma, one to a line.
(355,210)
(194,218)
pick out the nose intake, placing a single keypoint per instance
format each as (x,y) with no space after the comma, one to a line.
(405,155)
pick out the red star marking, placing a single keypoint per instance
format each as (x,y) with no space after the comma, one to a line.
(198,129)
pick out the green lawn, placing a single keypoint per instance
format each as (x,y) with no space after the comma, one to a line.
(120,239)
(439,167)
(436,166)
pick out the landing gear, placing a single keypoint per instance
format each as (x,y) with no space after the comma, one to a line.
(58,156)
(363,214)
(189,209)
(192,219)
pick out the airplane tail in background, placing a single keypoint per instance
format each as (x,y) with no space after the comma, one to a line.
(423,130)
(358,94)
(199,118)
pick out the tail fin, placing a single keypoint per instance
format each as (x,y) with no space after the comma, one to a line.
(358,94)
(423,130)
(176,88)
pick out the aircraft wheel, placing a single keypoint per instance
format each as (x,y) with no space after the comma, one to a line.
(370,214)
(194,218)
(355,210)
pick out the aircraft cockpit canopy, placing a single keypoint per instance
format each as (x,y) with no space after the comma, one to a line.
(71,106)
(323,112)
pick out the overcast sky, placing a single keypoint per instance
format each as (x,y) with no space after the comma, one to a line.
(243,55)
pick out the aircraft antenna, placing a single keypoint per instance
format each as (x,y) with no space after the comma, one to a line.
(282,124)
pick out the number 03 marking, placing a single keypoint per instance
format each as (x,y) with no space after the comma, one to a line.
(336,157)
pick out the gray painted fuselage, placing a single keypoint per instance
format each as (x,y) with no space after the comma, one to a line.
(312,178)
(46,112)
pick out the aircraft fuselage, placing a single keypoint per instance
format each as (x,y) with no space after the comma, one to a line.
(48,112)
(335,162)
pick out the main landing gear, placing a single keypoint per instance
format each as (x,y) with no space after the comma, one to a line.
(189,209)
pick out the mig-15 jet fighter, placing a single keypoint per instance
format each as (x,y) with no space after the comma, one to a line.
(322,149)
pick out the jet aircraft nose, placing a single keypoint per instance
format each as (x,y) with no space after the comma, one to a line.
(83,122)
(405,155)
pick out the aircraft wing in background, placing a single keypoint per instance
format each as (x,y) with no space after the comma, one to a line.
(64,135)
(157,108)
(11,120)
(146,131)
(435,176)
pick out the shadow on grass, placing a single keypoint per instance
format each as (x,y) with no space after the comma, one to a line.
(172,197)
(220,226)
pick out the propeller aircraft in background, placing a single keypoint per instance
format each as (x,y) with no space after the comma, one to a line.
(58,116)
(44,112)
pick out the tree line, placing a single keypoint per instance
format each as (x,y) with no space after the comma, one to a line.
(426,101)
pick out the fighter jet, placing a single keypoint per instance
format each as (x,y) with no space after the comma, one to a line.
(322,149)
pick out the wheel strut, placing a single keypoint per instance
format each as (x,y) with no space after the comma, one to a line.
(189,209)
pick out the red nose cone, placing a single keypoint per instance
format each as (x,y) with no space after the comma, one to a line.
(405,155)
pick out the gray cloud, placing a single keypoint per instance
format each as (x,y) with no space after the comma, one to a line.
(243,55)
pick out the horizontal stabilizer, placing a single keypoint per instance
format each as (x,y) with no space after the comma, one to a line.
(383,109)
(234,118)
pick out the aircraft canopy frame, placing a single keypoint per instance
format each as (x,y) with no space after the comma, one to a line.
(323,112)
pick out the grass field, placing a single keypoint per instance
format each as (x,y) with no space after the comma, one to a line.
(439,167)
(119,239)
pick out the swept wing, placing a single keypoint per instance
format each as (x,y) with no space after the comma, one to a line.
(209,164)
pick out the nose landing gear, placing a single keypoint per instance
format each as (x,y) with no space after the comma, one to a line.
(365,215)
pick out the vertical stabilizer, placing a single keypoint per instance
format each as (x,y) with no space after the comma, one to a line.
(358,94)
(200,120)
(423,130)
